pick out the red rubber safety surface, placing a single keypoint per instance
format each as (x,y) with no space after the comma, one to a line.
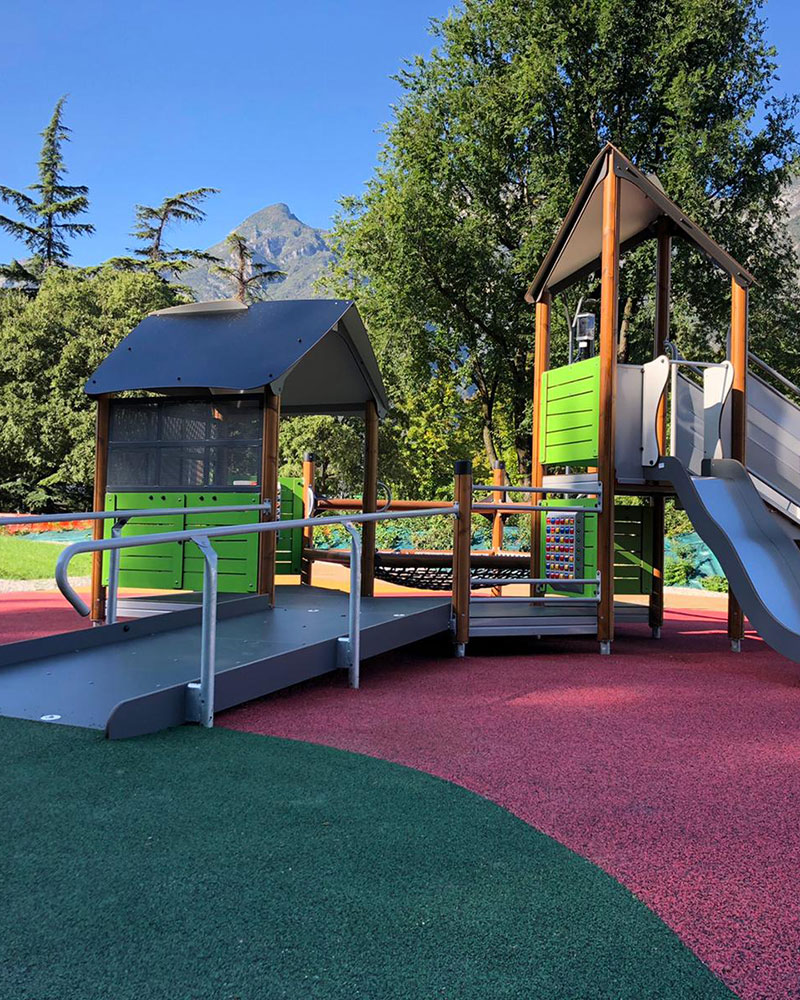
(673,765)
(32,614)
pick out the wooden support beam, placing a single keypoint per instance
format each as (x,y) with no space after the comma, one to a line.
(269,491)
(661,335)
(738,358)
(498,522)
(98,602)
(462,544)
(541,359)
(370,502)
(609,310)
(306,564)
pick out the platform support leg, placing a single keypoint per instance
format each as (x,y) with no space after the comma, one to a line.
(459,650)
(656,631)
(605,647)
(736,645)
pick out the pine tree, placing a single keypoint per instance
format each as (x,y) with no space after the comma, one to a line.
(44,227)
(248,276)
(151,223)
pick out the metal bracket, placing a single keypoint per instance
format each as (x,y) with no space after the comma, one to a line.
(193,702)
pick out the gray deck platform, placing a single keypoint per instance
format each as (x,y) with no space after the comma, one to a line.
(130,678)
(498,618)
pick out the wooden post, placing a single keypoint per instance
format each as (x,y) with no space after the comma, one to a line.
(609,306)
(462,538)
(370,498)
(498,524)
(306,563)
(269,491)
(738,358)
(98,601)
(541,359)
(663,308)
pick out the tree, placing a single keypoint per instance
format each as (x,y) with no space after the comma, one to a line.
(247,276)
(151,224)
(488,145)
(49,346)
(44,227)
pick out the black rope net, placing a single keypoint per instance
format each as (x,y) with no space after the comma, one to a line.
(441,577)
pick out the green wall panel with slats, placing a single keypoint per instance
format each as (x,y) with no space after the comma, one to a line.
(633,548)
(570,414)
(237,569)
(179,566)
(290,543)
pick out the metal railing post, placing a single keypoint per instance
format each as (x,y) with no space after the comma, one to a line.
(462,539)
(200,707)
(112,593)
(350,647)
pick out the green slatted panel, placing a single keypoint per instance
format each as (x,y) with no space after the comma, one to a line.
(570,414)
(633,548)
(152,567)
(238,554)
(290,543)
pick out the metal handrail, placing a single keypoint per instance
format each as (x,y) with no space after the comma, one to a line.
(120,519)
(200,705)
(771,371)
(567,491)
(108,515)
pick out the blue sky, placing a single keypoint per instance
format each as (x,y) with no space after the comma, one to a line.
(270,102)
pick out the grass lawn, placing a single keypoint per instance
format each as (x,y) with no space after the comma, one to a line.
(21,559)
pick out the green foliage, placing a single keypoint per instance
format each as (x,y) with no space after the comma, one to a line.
(676,520)
(246,275)
(43,225)
(718,584)
(48,348)
(678,572)
(151,224)
(486,148)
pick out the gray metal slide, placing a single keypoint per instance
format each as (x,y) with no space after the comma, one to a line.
(761,562)
(773,443)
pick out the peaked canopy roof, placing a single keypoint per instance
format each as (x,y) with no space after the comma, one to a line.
(314,353)
(575,252)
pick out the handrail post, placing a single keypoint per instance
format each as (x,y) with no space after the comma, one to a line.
(200,697)
(350,647)
(462,537)
(112,594)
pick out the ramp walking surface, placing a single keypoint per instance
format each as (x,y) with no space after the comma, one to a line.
(131,678)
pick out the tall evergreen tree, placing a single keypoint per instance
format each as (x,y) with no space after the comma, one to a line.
(247,276)
(151,224)
(44,225)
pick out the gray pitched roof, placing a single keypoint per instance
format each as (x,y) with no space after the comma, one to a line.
(315,353)
(575,252)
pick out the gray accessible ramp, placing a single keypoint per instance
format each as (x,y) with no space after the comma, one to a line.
(130,678)
(760,561)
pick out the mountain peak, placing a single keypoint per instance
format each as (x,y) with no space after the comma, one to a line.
(280,240)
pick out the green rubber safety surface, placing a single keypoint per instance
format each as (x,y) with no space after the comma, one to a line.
(213,865)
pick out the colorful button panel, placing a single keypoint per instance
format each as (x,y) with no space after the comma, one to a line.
(563,546)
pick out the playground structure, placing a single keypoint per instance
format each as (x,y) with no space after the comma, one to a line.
(188,497)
